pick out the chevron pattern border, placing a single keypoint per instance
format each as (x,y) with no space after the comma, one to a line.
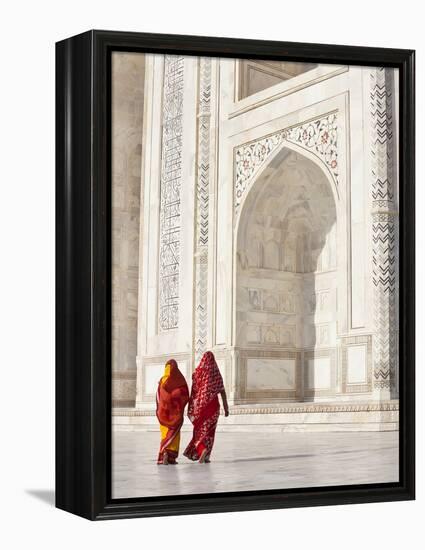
(381,111)
(384,230)
(202,209)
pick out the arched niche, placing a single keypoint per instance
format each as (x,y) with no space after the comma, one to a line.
(286,280)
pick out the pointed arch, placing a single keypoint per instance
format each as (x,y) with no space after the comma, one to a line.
(290,210)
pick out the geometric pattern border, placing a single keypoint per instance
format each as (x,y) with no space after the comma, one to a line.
(202,191)
(171,176)
(384,229)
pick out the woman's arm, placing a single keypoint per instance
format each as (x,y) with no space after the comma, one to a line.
(225,404)
(192,397)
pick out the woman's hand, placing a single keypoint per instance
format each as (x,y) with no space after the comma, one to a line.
(225,404)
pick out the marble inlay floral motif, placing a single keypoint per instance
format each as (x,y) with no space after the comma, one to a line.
(319,136)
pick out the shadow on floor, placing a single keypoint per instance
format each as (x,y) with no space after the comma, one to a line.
(287,457)
(45,495)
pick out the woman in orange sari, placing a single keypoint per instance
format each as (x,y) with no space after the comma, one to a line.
(204,408)
(171,399)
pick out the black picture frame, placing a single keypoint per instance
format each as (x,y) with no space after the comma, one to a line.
(83,278)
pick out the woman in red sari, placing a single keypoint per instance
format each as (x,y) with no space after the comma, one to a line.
(171,399)
(204,408)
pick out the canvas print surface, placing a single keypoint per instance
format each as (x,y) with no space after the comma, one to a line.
(254,275)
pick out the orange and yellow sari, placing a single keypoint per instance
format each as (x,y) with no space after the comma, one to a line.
(171,399)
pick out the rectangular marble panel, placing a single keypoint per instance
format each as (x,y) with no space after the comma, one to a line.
(270,374)
(152,376)
(254,299)
(253,333)
(356,364)
(271,302)
(288,303)
(287,335)
(319,373)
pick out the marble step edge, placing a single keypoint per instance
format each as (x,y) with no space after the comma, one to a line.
(275,428)
(384,406)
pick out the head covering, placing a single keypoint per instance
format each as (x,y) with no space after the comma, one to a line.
(207,383)
(172,378)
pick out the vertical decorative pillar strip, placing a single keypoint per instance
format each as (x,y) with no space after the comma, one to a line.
(201,209)
(384,227)
(171,176)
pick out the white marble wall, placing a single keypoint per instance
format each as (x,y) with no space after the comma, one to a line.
(286,228)
(127,123)
(168,178)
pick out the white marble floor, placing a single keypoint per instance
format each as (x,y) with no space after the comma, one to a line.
(255,460)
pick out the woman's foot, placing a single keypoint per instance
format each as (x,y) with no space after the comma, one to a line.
(165,459)
(203,458)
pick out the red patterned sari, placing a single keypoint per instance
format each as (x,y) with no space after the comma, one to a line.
(204,408)
(171,399)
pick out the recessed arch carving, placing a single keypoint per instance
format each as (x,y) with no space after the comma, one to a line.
(286,266)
